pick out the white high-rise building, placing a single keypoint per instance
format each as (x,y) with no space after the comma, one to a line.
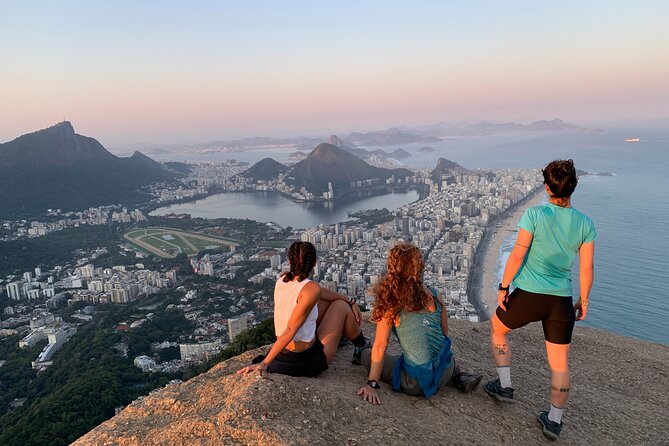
(208,269)
(87,271)
(14,290)
(236,327)
(275,261)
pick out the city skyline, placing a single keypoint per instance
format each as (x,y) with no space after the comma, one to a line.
(129,73)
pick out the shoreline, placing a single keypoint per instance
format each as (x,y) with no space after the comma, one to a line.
(483,289)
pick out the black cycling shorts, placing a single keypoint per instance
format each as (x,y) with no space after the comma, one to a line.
(309,362)
(556,314)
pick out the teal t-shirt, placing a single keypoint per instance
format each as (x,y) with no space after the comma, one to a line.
(558,233)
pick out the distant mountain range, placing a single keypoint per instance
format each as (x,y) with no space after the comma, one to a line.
(59,169)
(444,129)
(389,137)
(365,154)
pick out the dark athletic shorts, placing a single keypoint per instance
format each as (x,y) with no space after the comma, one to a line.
(556,314)
(309,362)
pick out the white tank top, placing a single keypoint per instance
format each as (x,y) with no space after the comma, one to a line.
(285,300)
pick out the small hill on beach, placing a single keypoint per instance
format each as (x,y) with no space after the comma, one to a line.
(618,397)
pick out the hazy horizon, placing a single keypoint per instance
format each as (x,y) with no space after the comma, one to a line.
(132,73)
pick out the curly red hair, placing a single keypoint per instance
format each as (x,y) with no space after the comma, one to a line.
(401,288)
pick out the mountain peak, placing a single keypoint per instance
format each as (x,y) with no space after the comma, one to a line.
(139,155)
(265,169)
(64,127)
(445,170)
(56,145)
(325,148)
(330,164)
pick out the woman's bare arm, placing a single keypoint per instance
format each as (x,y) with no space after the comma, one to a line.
(523,242)
(586,254)
(329,295)
(306,301)
(383,329)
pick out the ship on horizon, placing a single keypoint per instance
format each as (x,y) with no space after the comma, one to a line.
(631,139)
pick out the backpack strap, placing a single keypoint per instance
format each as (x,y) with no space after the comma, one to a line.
(435,295)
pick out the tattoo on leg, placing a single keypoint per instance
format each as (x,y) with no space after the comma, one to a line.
(560,389)
(502,349)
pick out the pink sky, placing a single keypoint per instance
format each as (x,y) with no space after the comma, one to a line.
(169,89)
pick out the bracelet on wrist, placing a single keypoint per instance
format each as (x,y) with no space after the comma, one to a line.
(503,288)
(374,384)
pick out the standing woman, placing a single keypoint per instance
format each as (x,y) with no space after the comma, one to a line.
(549,239)
(418,317)
(308,321)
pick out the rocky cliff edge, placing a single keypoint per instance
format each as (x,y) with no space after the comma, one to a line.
(620,395)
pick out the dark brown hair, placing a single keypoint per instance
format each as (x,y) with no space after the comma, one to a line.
(401,289)
(302,258)
(560,176)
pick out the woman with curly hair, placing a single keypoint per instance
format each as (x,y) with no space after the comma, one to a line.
(418,317)
(308,321)
(550,237)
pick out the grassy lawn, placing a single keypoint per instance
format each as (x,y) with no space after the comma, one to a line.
(206,244)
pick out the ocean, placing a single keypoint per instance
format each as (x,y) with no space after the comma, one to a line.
(630,209)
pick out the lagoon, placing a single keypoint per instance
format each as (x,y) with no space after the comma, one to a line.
(274,207)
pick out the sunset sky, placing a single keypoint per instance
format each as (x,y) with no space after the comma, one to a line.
(163,72)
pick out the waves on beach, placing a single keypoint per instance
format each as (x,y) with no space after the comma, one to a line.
(502,256)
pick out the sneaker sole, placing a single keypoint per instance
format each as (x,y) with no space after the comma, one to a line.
(470,387)
(547,433)
(500,398)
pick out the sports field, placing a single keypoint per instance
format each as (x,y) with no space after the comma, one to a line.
(167,243)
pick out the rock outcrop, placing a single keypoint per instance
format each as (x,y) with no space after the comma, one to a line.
(619,396)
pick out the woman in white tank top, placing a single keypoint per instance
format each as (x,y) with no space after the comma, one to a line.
(308,320)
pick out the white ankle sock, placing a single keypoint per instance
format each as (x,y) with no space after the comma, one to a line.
(555,414)
(504,374)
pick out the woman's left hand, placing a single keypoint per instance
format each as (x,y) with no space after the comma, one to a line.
(260,368)
(368,394)
(502,299)
(581,309)
(356,312)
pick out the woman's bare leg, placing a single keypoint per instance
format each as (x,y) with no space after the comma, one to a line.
(500,346)
(558,360)
(501,352)
(337,320)
(323,306)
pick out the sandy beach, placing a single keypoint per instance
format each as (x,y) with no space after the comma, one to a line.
(485,283)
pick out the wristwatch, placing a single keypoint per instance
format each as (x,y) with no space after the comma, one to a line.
(503,288)
(374,384)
